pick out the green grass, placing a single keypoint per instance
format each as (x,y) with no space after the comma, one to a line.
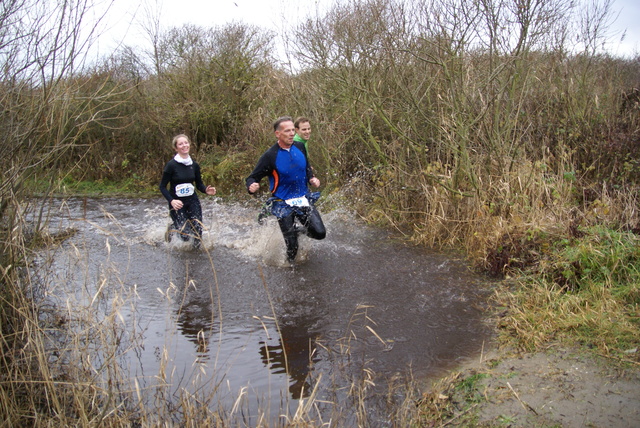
(67,186)
(598,258)
(469,388)
(584,289)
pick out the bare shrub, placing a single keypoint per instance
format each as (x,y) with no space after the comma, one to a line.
(45,105)
(466,116)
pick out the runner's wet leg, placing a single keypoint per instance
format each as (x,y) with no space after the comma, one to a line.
(194,212)
(290,234)
(313,224)
(180,225)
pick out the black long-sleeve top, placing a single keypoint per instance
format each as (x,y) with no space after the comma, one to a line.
(177,173)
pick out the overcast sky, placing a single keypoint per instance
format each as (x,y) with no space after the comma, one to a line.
(627,13)
(124,18)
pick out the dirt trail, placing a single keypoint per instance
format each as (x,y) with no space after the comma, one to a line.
(559,388)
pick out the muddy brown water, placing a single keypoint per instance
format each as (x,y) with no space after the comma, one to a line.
(234,319)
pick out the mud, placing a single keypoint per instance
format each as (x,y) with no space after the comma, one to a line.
(559,387)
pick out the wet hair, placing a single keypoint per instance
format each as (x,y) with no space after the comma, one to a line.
(175,139)
(300,120)
(279,120)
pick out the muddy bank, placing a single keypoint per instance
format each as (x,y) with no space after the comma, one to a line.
(561,386)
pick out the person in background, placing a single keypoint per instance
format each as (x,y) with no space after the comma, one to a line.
(303,132)
(183,176)
(287,166)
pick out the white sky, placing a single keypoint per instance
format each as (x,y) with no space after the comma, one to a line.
(628,20)
(125,16)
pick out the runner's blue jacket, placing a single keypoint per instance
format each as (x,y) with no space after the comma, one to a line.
(289,171)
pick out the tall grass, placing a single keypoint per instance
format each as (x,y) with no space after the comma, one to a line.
(447,132)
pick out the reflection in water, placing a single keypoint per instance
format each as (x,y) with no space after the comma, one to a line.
(290,351)
(295,351)
(194,305)
(195,327)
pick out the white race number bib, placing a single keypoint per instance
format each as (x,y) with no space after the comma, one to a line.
(298,202)
(184,189)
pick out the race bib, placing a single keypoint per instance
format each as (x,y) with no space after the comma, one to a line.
(298,202)
(184,189)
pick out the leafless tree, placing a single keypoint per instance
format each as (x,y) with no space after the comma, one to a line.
(44,105)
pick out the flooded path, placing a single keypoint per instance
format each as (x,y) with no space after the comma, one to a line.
(232,319)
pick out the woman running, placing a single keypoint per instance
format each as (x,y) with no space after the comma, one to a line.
(182,173)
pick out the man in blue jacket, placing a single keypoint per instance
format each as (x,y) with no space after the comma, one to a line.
(287,166)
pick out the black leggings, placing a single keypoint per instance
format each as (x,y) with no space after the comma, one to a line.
(312,226)
(188,220)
